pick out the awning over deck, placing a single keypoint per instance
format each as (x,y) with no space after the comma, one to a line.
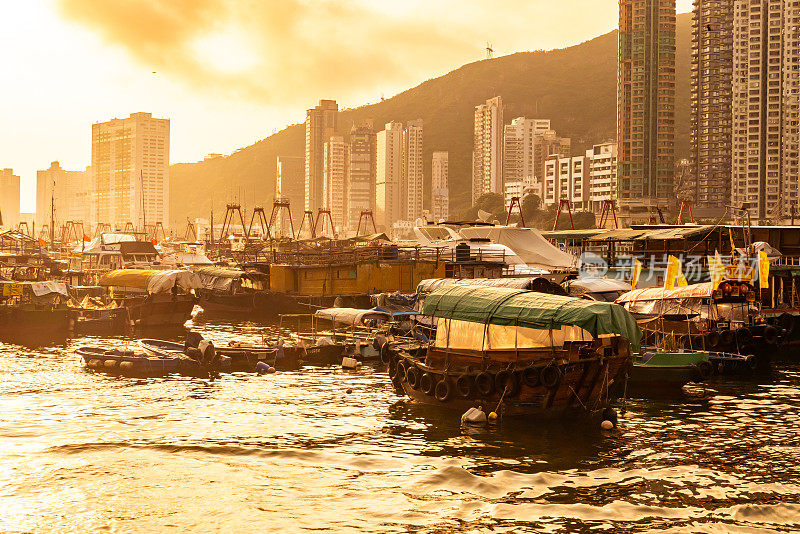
(151,280)
(514,307)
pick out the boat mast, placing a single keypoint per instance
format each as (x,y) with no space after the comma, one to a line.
(144,215)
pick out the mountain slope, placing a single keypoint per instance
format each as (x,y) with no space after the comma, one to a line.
(575,87)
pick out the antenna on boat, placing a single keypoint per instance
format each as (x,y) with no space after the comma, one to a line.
(489,50)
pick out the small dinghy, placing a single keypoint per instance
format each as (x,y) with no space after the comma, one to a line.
(241,356)
(162,358)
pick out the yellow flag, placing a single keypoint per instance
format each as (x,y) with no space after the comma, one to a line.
(733,245)
(716,270)
(763,269)
(673,268)
(637,270)
(682,281)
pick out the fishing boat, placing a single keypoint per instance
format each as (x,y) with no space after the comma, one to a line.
(32,312)
(153,297)
(665,373)
(237,291)
(516,352)
(358,329)
(698,317)
(126,362)
(238,356)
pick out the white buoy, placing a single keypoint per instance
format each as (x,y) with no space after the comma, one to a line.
(473,416)
(606,425)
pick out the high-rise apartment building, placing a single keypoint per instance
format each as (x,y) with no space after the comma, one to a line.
(646,102)
(487,155)
(290,185)
(334,172)
(567,179)
(711,113)
(130,168)
(361,173)
(519,156)
(9,198)
(389,176)
(412,191)
(548,144)
(440,193)
(321,124)
(602,174)
(765,148)
(70,192)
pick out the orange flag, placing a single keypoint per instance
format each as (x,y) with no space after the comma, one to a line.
(42,242)
(154,242)
(86,238)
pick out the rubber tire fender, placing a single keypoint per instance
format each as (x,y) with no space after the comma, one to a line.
(465,385)
(744,335)
(530,377)
(443,390)
(727,337)
(412,377)
(401,369)
(427,383)
(771,335)
(550,376)
(484,383)
(506,382)
(713,339)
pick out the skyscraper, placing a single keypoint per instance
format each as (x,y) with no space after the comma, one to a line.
(440,193)
(334,173)
(321,123)
(130,167)
(646,102)
(411,194)
(9,198)
(71,193)
(487,155)
(712,76)
(361,173)
(389,176)
(765,107)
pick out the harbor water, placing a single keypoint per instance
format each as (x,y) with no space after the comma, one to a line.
(322,449)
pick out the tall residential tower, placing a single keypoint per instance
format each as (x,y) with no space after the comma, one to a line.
(487,155)
(646,102)
(320,126)
(130,168)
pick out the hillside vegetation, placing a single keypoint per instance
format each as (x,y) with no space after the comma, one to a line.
(575,87)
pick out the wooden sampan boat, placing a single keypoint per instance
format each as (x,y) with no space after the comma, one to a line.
(516,352)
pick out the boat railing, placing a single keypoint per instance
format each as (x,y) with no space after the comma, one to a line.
(343,256)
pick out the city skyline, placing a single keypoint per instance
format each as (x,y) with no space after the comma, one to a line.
(109,81)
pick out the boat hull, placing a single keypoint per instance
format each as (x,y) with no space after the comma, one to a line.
(582,386)
(32,326)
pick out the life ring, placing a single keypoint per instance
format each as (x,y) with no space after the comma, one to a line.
(412,377)
(703,370)
(443,391)
(464,385)
(530,377)
(386,354)
(484,383)
(713,339)
(506,383)
(427,383)
(744,335)
(550,376)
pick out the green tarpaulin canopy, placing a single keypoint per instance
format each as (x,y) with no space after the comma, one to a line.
(515,307)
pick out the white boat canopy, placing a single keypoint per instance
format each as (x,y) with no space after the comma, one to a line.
(151,280)
(351,316)
(527,243)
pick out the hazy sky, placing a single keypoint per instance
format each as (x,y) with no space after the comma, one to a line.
(230,72)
